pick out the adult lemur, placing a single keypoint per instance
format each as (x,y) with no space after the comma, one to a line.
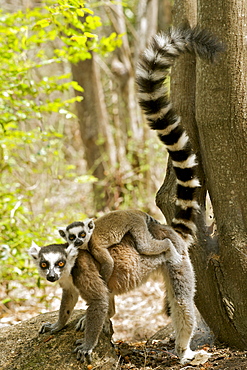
(130,267)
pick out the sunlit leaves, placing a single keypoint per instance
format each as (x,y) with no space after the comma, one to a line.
(108,44)
(24,44)
(42,23)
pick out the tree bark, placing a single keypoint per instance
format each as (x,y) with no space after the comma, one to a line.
(94,127)
(164,14)
(216,93)
(132,120)
(147,19)
(221,109)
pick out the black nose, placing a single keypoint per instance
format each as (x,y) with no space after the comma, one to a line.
(51,278)
(78,242)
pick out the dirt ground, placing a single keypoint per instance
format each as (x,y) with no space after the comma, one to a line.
(140,356)
(139,316)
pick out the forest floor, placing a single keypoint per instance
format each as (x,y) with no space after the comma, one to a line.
(143,356)
(139,316)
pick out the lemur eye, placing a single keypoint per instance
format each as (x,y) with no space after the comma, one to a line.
(61,263)
(82,234)
(71,237)
(43,265)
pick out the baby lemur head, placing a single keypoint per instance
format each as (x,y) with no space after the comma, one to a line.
(54,261)
(78,233)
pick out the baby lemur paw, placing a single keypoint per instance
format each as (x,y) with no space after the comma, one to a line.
(52,328)
(83,352)
(80,326)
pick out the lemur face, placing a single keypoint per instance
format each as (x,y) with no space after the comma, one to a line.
(78,233)
(54,261)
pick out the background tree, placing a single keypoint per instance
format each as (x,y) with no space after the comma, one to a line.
(213,106)
(119,150)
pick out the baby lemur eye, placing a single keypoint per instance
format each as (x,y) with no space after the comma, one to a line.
(72,237)
(82,234)
(43,265)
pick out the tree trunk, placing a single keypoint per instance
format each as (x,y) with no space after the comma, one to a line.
(93,121)
(147,19)
(221,112)
(127,85)
(219,127)
(128,123)
(164,14)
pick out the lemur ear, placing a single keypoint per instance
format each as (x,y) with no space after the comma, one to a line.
(62,232)
(90,223)
(33,251)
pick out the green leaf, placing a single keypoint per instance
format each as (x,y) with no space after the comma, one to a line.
(81,40)
(80,12)
(88,34)
(42,23)
(89,11)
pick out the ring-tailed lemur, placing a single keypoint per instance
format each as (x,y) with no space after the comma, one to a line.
(130,267)
(78,233)
(55,261)
(107,233)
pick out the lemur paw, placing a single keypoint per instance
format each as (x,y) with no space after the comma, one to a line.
(107,328)
(80,326)
(52,328)
(194,357)
(82,352)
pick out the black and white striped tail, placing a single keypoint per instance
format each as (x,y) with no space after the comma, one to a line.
(152,70)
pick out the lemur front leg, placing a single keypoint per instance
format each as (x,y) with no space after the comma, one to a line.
(94,320)
(107,328)
(68,302)
(94,291)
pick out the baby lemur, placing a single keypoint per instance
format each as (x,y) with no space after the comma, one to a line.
(136,222)
(78,233)
(130,267)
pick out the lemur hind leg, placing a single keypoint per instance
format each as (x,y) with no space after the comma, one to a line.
(180,286)
(146,244)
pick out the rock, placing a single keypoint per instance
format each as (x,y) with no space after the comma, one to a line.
(22,347)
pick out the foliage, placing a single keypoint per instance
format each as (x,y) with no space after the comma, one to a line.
(36,96)
(41,169)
